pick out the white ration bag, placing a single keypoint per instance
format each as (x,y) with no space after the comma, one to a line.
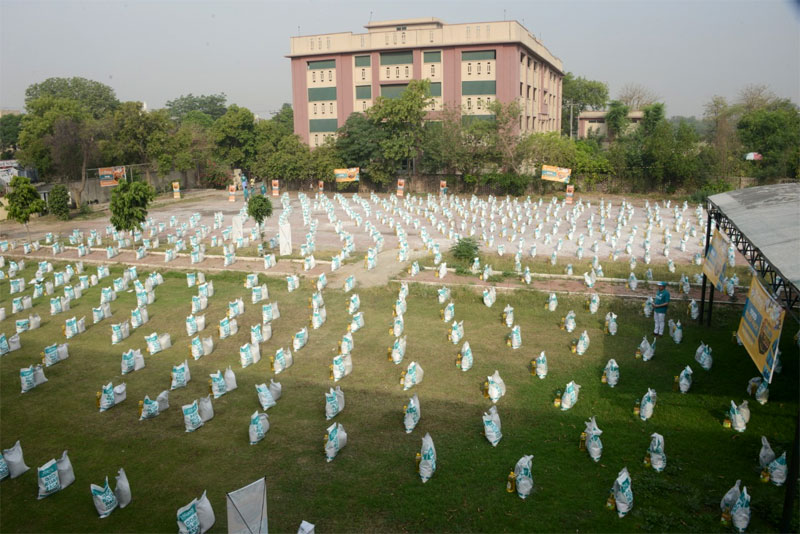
(427,464)
(259,426)
(132,360)
(541,365)
(523,476)
(341,366)
(740,513)
(677,335)
(766,455)
(703,356)
(230,379)
(685,379)
(282,360)
(196,517)
(120,332)
(122,491)
(611,323)
(465,357)
(658,459)
(218,387)
(268,396)
(583,343)
(413,375)
(354,304)
(334,402)
(515,337)
(570,396)
(497,387)
(249,354)
(104,499)
(180,375)
(647,405)
(55,353)
(120,393)
(205,408)
(456,332)
(66,475)
(744,409)
(411,414)
(489,296)
(357,322)
(149,409)
(398,326)
(623,492)
(335,440)
(737,419)
(777,470)
(508,316)
(397,351)
(443,294)
(611,372)
(106,397)
(647,349)
(492,426)
(14,460)
(47,475)
(31,377)
(593,444)
(300,339)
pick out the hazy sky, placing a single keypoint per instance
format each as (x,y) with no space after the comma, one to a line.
(153,51)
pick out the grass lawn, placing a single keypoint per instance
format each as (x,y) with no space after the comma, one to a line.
(372,485)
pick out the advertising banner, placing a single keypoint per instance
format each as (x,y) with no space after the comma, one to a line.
(321,186)
(110,176)
(176,190)
(347,175)
(570,193)
(276,188)
(231,193)
(717,260)
(442,187)
(760,327)
(556,174)
(401,185)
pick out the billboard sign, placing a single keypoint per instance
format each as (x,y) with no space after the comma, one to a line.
(276,188)
(111,176)
(717,260)
(344,176)
(401,185)
(760,328)
(556,174)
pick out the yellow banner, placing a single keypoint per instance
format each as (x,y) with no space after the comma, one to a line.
(760,327)
(401,185)
(556,174)
(176,190)
(717,259)
(347,175)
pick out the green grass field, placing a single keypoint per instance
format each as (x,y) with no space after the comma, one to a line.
(372,485)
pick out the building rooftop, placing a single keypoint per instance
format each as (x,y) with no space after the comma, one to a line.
(423,21)
(602,115)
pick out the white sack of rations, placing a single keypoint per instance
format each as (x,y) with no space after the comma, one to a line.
(132,360)
(55,353)
(466,359)
(703,356)
(123,489)
(647,405)
(583,343)
(104,499)
(354,304)
(444,294)
(766,455)
(259,426)
(594,446)
(411,414)
(612,372)
(196,517)
(336,439)
(456,332)
(427,465)
(623,492)
(497,387)
(218,386)
(205,408)
(249,354)
(647,349)
(300,339)
(120,332)
(282,360)
(342,366)
(489,296)
(449,312)
(180,375)
(541,365)
(230,379)
(492,427)
(15,461)
(570,396)
(334,402)
(744,409)
(357,322)
(398,350)
(740,513)
(47,476)
(777,470)
(685,380)
(413,375)
(268,395)
(398,325)
(31,377)
(658,459)
(523,476)
(737,419)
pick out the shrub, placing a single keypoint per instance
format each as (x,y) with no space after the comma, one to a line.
(58,202)
(465,250)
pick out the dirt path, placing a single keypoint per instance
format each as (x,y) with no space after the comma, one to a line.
(386,269)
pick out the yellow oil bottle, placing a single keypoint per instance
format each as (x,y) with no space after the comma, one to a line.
(511,484)
(582,443)
(417,460)
(141,407)
(98,399)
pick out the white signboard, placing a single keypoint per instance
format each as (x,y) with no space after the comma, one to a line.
(285,236)
(238,231)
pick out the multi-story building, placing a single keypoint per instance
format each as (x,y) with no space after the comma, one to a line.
(468,65)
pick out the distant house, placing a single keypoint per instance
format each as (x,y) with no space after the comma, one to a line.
(594,123)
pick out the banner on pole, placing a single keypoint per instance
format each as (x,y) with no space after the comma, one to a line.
(442,187)
(110,176)
(321,186)
(556,174)
(401,185)
(176,190)
(717,260)
(231,193)
(760,327)
(347,175)
(275,188)
(570,193)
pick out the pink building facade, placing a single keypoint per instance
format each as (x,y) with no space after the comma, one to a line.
(468,66)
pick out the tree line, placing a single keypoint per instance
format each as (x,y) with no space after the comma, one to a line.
(73,125)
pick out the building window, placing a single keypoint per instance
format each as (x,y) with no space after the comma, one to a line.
(322,107)
(520,88)
(488,100)
(313,77)
(433,69)
(469,103)
(430,36)
(529,62)
(406,71)
(488,67)
(363,105)
(316,139)
(528,92)
(403,37)
(469,69)
(397,72)
(480,103)
(315,109)
(330,75)
(522,58)
(479,68)
(333,108)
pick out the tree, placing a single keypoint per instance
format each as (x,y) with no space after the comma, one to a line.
(10,126)
(773,132)
(74,147)
(259,208)
(138,135)
(720,119)
(754,97)
(37,125)
(284,118)
(234,137)
(636,96)
(580,94)
(23,201)
(442,143)
(653,116)
(211,105)
(289,161)
(58,202)
(94,98)
(323,160)
(617,119)
(358,143)
(129,203)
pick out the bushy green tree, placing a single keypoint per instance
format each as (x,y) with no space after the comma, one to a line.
(773,132)
(23,201)
(259,208)
(211,105)
(129,204)
(10,126)
(465,249)
(94,98)
(580,94)
(234,138)
(617,119)
(58,202)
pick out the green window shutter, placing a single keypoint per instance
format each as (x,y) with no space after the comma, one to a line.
(392,91)
(325,64)
(432,57)
(396,58)
(363,61)
(436,89)
(478,56)
(363,91)
(484,87)
(323,125)
(315,94)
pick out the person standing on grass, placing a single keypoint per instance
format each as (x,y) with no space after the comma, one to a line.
(660,308)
